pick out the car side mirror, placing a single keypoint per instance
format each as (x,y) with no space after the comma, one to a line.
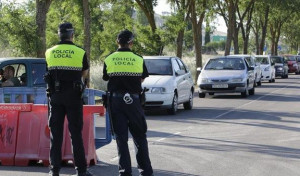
(179,72)
(250,68)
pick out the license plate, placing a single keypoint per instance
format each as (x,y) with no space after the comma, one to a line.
(220,86)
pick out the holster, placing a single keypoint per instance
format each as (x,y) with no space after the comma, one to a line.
(104,100)
(143,97)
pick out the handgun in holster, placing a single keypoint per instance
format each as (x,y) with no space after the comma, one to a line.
(106,98)
(49,82)
(143,97)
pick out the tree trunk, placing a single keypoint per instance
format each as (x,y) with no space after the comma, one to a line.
(264,31)
(231,25)
(179,43)
(42,7)
(197,35)
(87,33)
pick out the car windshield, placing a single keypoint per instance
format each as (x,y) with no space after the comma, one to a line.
(263,60)
(225,64)
(290,58)
(159,66)
(277,59)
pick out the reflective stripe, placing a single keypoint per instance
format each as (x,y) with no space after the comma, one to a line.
(65,68)
(124,74)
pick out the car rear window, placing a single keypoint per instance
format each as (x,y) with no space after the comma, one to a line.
(277,59)
(159,66)
(290,58)
(225,64)
(263,60)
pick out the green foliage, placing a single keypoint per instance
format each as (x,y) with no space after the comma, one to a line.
(17,29)
(217,45)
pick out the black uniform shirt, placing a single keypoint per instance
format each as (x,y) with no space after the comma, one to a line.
(123,84)
(69,75)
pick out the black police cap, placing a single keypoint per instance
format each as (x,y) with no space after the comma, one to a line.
(125,36)
(65,27)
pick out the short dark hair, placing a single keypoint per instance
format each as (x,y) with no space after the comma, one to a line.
(65,31)
(125,37)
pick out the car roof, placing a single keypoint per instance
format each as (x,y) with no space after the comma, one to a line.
(20,58)
(229,57)
(158,57)
(241,55)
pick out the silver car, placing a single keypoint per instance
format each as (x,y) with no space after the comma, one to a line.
(169,84)
(227,74)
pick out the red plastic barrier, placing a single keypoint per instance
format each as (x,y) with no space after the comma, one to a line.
(87,133)
(9,114)
(34,137)
(33,140)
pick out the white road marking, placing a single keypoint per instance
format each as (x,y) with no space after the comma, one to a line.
(234,109)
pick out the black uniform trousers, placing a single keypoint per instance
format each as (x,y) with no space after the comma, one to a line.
(130,116)
(67,102)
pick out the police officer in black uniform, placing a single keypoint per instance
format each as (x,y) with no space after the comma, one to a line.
(125,71)
(67,65)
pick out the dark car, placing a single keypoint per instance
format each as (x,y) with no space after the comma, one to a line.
(292,64)
(281,66)
(29,71)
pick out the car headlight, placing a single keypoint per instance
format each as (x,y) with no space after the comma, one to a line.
(267,68)
(205,80)
(158,90)
(237,80)
(280,68)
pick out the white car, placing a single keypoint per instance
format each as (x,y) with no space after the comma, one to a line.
(267,67)
(257,70)
(227,74)
(169,84)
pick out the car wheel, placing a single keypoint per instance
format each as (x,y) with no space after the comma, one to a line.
(287,76)
(273,80)
(173,109)
(245,93)
(252,91)
(189,105)
(270,80)
(201,95)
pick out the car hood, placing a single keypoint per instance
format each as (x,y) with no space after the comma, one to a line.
(211,74)
(157,81)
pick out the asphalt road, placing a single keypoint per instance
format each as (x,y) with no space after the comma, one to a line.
(224,135)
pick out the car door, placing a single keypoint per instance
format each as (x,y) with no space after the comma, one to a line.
(186,80)
(179,80)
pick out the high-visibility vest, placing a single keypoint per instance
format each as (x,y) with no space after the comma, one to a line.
(65,57)
(123,63)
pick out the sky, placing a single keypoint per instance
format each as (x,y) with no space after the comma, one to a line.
(164,6)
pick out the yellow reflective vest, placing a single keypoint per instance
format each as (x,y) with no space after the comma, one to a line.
(124,63)
(65,57)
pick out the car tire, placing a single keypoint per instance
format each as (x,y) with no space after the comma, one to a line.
(201,95)
(259,83)
(252,91)
(287,76)
(189,105)
(245,93)
(211,93)
(173,109)
(273,80)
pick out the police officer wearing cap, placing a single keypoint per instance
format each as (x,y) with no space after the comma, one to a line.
(125,71)
(67,65)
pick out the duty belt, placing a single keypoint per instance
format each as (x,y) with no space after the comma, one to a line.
(127,98)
